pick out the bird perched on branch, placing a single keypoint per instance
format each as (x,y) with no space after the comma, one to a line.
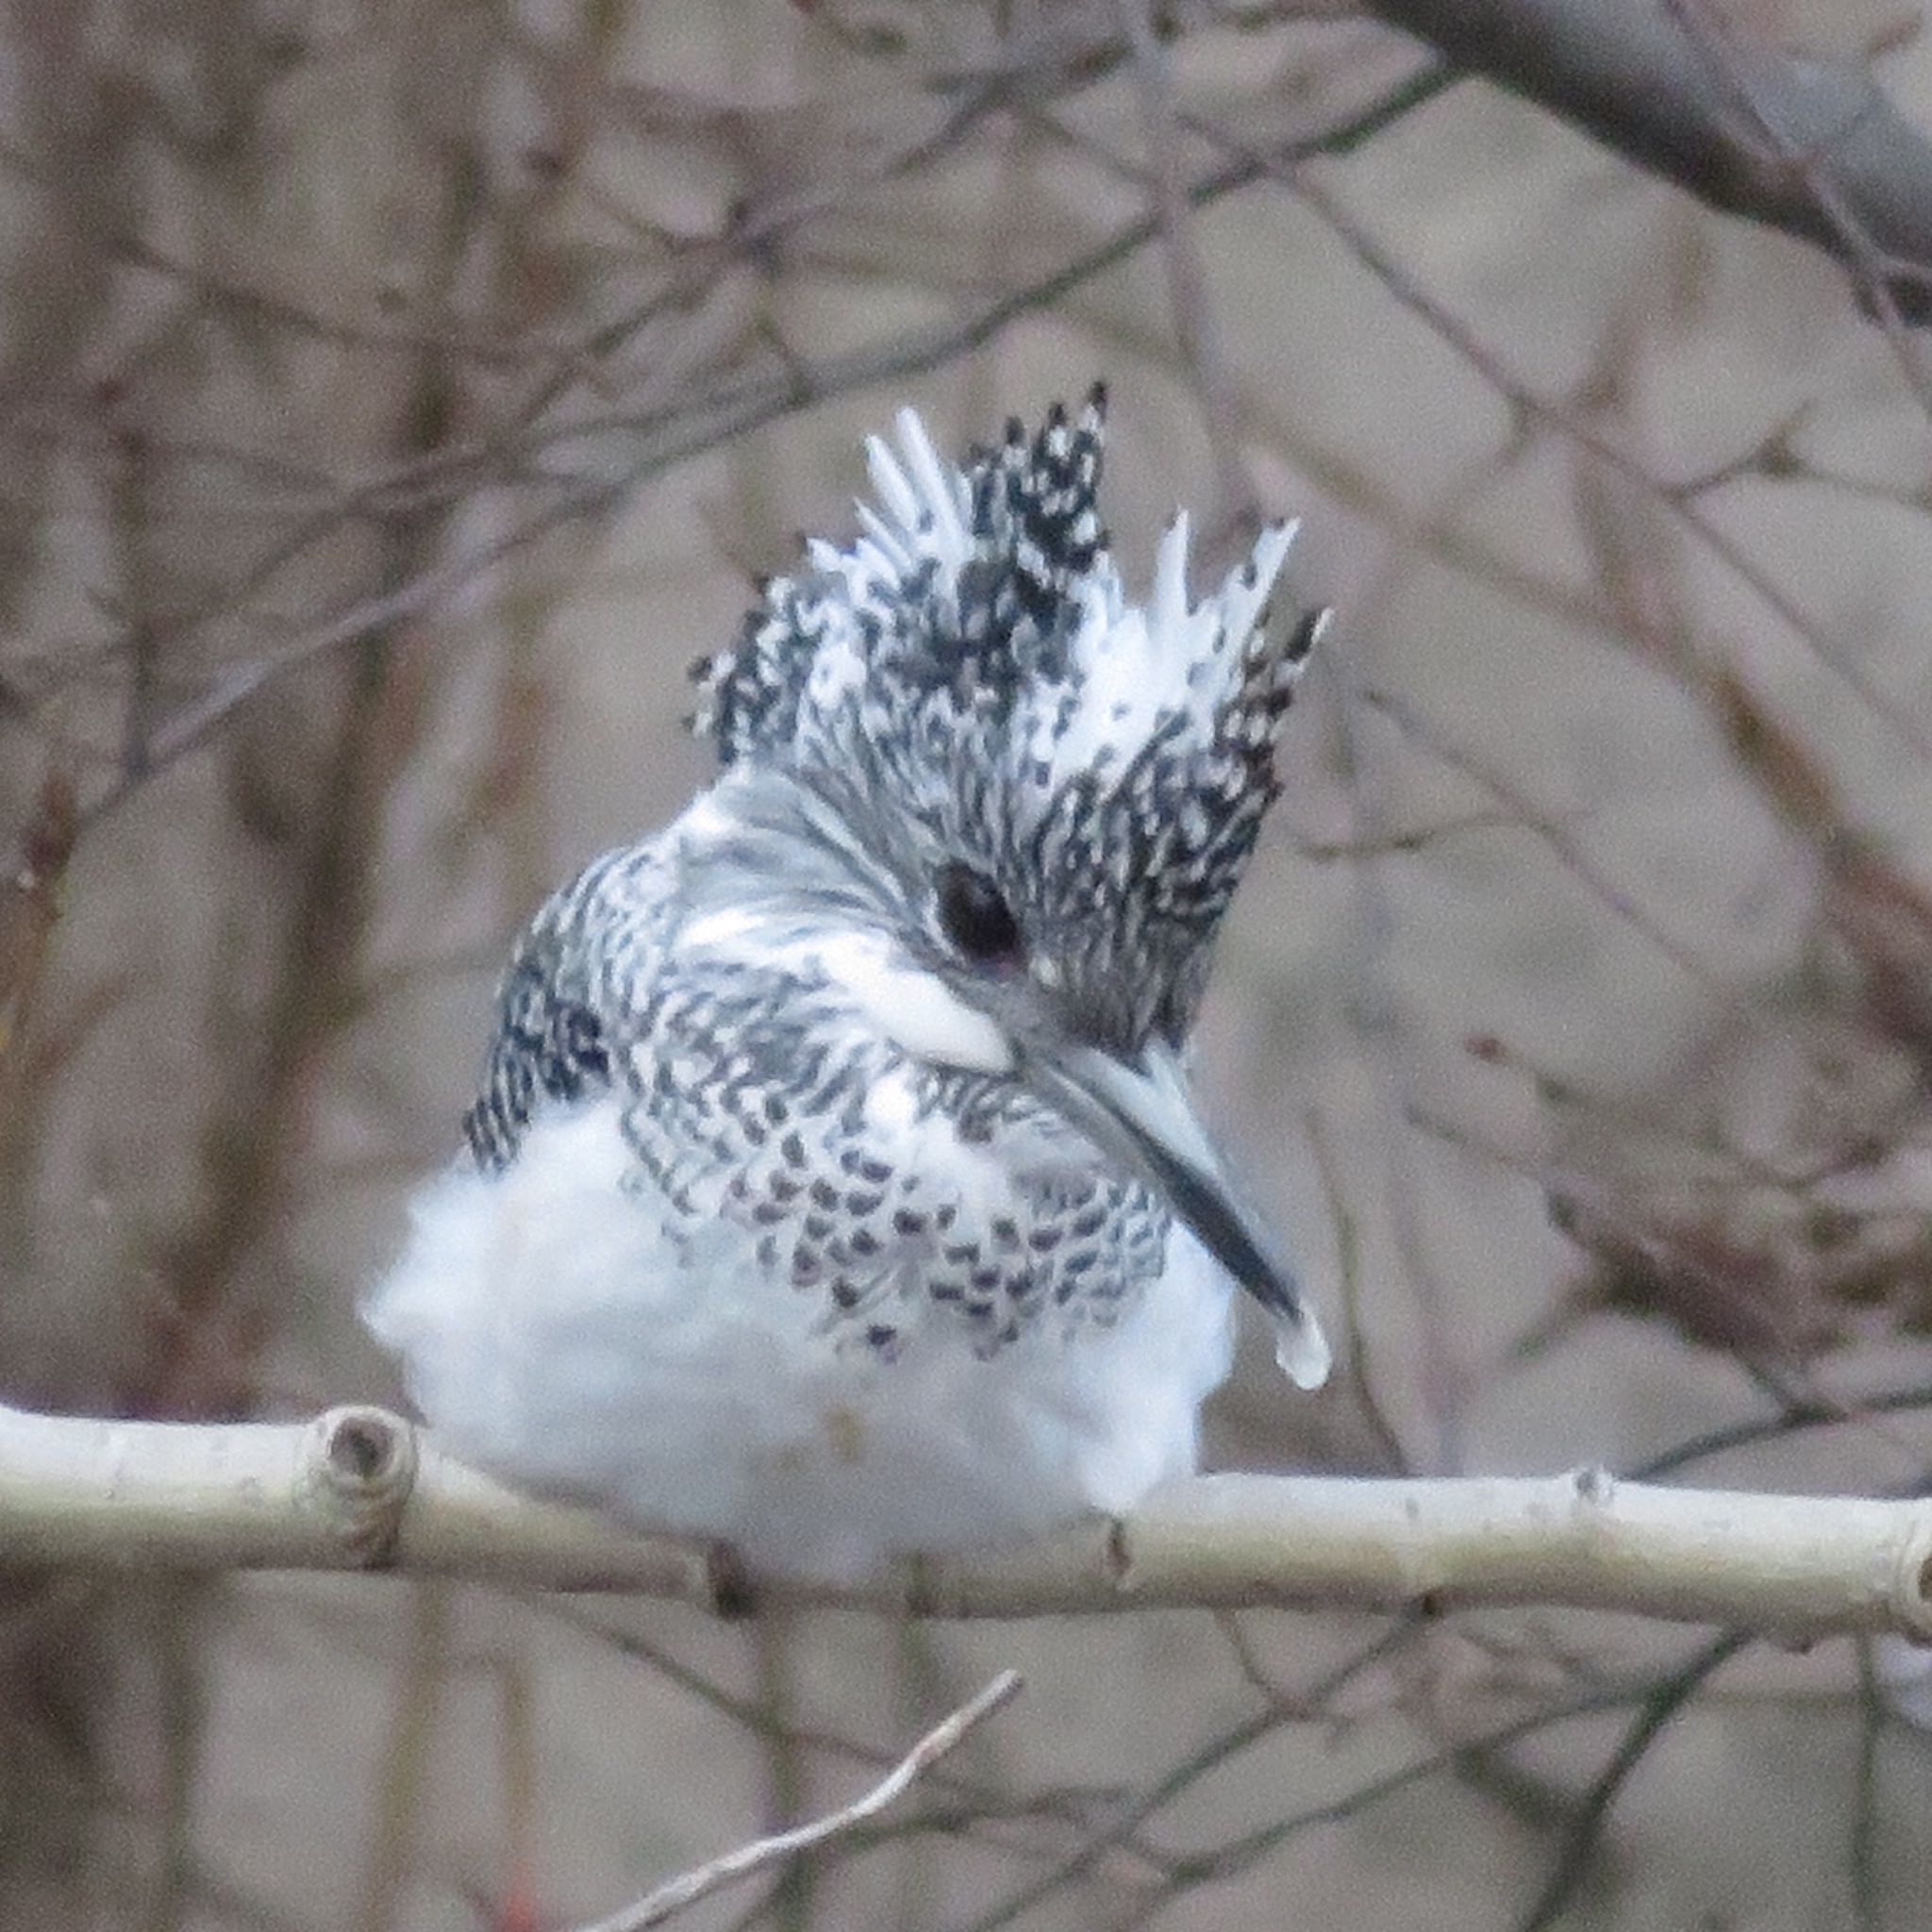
(835,1189)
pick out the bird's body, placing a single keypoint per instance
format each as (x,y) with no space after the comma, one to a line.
(823,1194)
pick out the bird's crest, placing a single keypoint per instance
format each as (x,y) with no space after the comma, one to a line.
(971,664)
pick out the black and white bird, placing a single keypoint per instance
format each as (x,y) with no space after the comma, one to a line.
(836,1190)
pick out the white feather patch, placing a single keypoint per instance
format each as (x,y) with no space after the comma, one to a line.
(916,1011)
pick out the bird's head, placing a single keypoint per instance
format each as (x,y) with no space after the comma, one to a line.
(1039,795)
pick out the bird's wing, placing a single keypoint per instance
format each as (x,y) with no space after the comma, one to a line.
(578,982)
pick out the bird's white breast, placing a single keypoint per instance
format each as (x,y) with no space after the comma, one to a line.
(556,1333)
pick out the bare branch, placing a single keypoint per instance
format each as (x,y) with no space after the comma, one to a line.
(1829,649)
(1653,1718)
(360,1489)
(1632,75)
(650,433)
(677,1893)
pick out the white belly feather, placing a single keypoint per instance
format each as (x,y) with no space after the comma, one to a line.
(555,1335)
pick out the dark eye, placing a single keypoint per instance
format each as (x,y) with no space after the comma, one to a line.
(975,917)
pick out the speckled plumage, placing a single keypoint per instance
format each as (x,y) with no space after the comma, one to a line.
(796,1216)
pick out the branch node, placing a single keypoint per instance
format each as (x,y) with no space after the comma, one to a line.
(1594,1485)
(728,1583)
(361,1465)
(1911,1589)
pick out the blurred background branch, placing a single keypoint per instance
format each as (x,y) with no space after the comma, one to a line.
(732,1868)
(1775,135)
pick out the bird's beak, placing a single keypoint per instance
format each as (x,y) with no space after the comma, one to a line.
(1141,1113)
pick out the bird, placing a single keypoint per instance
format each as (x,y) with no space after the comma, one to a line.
(835,1192)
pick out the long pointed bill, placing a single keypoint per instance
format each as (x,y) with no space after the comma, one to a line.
(1144,1116)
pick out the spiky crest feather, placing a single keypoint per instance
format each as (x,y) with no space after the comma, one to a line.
(970,666)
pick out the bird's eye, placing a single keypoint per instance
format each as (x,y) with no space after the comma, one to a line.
(975,917)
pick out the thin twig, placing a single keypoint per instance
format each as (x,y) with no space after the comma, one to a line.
(1830,650)
(1188,294)
(1348,1247)
(983,1810)
(1554,833)
(658,436)
(675,1894)
(1224,1861)
(1790,1421)
(1862,1852)
(1276,1713)
(1659,1708)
